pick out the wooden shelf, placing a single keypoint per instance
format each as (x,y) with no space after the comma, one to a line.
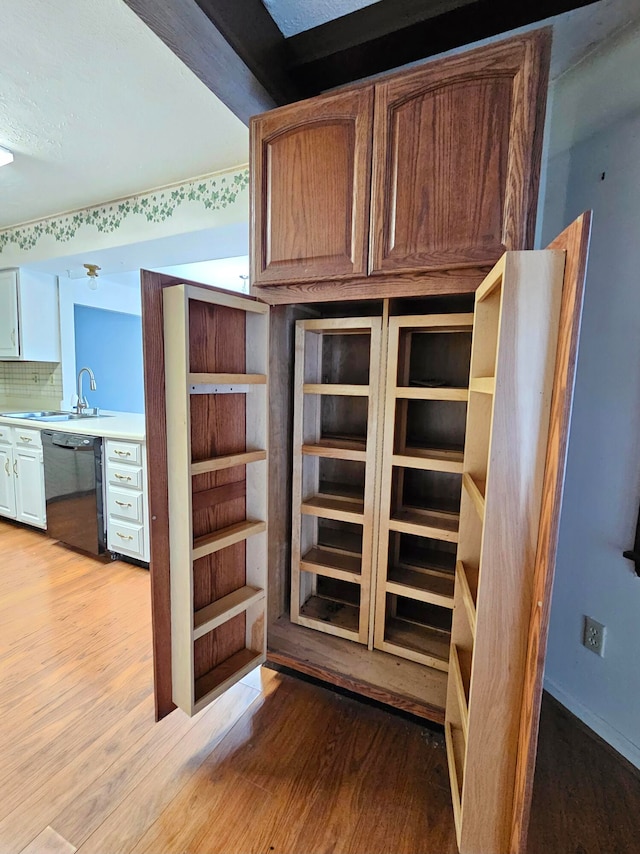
(330,616)
(484,385)
(336,388)
(226,379)
(216,681)
(227,462)
(417,642)
(461,689)
(226,537)
(422,585)
(437,393)
(210,617)
(475,489)
(467,597)
(454,740)
(337,451)
(426,523)
(344,566)
(333,507)
(429,459)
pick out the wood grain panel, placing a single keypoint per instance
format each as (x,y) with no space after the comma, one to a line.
(310,173)
(456,158)
(217,646)
(152,285)
(575,242)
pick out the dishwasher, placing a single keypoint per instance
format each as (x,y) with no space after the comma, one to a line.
(74,490)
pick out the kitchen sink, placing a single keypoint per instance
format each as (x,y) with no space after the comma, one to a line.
(53,415)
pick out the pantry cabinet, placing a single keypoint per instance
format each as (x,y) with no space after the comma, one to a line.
(449,567)
(432,171)
(362,481)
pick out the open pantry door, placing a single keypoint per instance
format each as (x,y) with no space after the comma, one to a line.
(206,354)
(523,358)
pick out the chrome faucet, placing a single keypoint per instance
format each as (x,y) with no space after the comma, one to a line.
(83,403)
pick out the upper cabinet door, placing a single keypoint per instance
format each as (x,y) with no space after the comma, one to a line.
(311,169)
(457,156)
(9,343)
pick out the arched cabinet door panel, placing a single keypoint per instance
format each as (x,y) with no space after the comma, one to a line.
(456,158)
(311,167)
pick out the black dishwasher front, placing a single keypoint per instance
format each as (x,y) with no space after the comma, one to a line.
(73,490)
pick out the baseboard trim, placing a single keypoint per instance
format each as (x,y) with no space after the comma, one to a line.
(611,736)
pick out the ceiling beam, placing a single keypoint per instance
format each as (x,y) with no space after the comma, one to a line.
(185,28)
(392,33)
(255,37)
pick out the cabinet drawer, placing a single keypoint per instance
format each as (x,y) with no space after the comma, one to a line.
(125,503)
(130,476)
(23,437)
(125,537)
(5,435)
(124,452)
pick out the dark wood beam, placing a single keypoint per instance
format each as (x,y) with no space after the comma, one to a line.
(255,37)
(392,33)
(194,38)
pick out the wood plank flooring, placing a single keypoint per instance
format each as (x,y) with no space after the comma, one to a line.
(275,765)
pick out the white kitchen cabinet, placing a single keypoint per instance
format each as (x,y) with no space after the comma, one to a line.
(22,495)
(127,505)
(29,486)
(29,317)
(7,488)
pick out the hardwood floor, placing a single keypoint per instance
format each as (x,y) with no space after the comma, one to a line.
(275,765)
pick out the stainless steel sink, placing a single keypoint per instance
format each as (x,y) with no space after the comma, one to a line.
(54,415)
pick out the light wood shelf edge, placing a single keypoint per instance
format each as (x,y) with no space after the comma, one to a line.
(227,462)
(336,389)
(414,655)
(451,461)
(474,494)
(226,537)
(454,664)
(453,776)
(467,598)
(435,393)
(483,385)
(334,453)
(247,659)
(420,595)
(210,617)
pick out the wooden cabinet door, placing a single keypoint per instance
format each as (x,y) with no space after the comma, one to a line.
(29,480)
(527,318)
(456,158)
(206,357)
(310,180)
(7,489)
(9,341)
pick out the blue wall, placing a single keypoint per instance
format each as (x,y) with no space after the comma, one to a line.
(110,343)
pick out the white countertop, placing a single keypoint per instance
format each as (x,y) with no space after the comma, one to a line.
(112,425)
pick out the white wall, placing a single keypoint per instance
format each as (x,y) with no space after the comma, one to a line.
(110,294)
(595,130)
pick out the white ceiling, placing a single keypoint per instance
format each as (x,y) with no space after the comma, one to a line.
(293,17)
(95,107)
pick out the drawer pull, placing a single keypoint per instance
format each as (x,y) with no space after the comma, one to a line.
(122,453)
(124,536)
(6,467)
(122,476)
(15,467)
(26,439)
(124,504)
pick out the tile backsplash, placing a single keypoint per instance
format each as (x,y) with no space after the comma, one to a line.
(35,384)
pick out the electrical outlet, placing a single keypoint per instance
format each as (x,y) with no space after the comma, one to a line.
(593,636)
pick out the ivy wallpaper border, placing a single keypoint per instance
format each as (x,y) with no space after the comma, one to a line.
(215,193)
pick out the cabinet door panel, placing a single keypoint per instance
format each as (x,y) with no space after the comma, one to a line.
(9,343)
(456,158)
(7,490)
(30,501)
(310,189)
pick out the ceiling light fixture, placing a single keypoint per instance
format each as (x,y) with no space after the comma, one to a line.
(6,156)
(92,273)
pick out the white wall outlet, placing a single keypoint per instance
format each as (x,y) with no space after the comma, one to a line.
(594,635)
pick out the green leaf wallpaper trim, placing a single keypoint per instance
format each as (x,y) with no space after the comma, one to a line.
(214,193)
